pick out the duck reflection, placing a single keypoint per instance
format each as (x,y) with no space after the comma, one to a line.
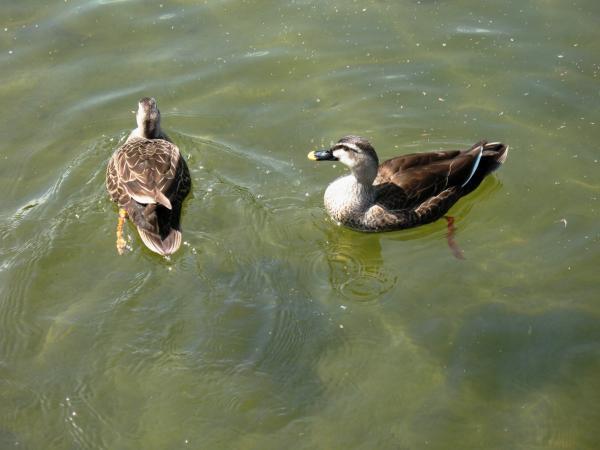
(356,268)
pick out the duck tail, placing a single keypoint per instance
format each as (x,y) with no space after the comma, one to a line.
(170,244)
(491,156)
(496,154)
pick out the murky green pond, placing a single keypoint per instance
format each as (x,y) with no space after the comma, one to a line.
(273,328)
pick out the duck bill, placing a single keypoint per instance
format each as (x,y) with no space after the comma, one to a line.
(322,155)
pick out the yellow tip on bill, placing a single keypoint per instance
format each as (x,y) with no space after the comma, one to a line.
(312,156)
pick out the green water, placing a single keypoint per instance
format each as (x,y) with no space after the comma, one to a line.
(273,328)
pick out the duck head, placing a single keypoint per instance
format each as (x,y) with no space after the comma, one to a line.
(148,118)
(354,152)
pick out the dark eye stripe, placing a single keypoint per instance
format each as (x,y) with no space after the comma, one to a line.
(343,147)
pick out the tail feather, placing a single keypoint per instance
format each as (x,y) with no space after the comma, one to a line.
(496,151)
(494,154)
(165,246)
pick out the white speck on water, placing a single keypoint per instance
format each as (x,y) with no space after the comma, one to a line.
(560,56)
(256,54)
(344,307)
(341,326)
(473,30)
(318,100)
(73,413)
(512,39)
(306,194)
(209,190)
(443,44)
(10,52)
(77,216)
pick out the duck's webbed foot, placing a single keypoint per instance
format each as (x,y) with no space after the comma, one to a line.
(121,243)
(456,250)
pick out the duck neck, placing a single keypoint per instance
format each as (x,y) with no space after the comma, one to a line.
(150,129)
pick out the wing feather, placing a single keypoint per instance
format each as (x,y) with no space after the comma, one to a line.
(145,169)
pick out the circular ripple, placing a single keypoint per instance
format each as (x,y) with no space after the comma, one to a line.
(356,267)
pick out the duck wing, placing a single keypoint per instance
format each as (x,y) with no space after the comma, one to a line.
(146,169)
(410,180)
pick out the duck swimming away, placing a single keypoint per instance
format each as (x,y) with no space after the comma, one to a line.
(406,191)
(148,179)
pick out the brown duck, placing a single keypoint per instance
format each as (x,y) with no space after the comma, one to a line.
(406,191)
(148,179)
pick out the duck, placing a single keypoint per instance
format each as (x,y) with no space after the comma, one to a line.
(148,178)
(406,191)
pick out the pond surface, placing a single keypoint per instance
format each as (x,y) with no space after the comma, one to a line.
(272,327)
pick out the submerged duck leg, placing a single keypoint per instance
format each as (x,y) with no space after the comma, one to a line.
(456,250)
(120,241)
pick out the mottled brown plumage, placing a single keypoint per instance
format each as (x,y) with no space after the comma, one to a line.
(406,191)
(149,179)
